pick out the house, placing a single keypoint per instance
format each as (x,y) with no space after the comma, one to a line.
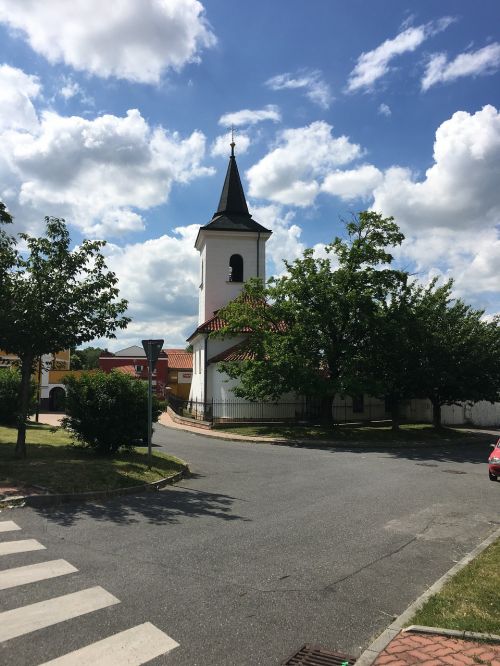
(49,373)
(180,372)
(171,374)
(132,360)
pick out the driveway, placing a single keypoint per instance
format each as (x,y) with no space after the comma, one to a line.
(264,549)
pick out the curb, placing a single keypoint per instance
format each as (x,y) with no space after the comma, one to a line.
(452,633)
(209,432)
(62,498)
(381,642)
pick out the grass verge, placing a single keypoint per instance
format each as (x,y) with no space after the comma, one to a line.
(373,432)
(470,601)
(55,464)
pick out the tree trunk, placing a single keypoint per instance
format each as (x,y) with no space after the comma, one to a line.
(436,413)
(24,400)
(395,416)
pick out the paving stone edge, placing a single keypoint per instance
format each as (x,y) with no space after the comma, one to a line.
(381,642)
(62,498)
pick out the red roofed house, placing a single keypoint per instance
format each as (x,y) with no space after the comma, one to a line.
(172,373)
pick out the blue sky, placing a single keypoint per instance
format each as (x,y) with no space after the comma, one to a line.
(116,115)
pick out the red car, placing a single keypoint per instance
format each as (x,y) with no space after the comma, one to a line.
(494,462)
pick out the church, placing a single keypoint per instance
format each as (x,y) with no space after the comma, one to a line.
(232,249)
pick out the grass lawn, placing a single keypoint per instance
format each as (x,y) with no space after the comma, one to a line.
(56,465)
(372,432)
(471,600)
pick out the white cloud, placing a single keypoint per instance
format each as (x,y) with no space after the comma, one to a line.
(92,172)
(129,39)
(385,110)
(285,242)
(17,90)
(474,63)
(292,173)
(163,294)
(220,147)
(250,116)
(316,89)
(451,217)
(461,189)
(374,64)
(353,183)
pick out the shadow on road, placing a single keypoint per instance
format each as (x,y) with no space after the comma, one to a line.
(162,507)
(475,450)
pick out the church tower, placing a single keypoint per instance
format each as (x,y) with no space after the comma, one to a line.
(232,250)
(231,247)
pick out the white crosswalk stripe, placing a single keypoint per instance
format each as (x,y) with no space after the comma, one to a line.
(8,526)
(25,619)
(34,572)
(128,648)
(20,546)
(131,647)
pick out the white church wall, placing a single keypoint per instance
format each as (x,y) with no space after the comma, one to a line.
(197,382)
(481,413)
(343,409)
(229,407)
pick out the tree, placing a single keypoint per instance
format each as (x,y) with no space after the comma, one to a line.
(55,298)
(86,358)
(107,411)
(310,329)
(459,351)
(10,380)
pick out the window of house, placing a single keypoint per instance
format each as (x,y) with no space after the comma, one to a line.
(358,404)
(139,368)
(236,268)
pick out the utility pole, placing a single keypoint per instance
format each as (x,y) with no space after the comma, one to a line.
(153,349)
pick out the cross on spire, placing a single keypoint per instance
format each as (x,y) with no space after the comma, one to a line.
(232,144)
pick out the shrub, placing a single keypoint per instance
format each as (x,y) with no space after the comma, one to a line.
(10,381)
(107,412)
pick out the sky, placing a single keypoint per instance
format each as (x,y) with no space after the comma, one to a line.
(116,117)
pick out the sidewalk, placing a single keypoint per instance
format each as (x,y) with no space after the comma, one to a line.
(410,647)
(166,420)
(49,418)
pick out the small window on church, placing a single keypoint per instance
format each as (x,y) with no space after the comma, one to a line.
(236,268)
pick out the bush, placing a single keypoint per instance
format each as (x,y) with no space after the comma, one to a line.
(10,380)
(107,412)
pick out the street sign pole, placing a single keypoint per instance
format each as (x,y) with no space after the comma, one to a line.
(152,349)
(150,412)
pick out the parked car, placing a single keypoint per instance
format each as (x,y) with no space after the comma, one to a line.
(494,461)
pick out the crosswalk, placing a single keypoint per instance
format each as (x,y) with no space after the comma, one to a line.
(131,647)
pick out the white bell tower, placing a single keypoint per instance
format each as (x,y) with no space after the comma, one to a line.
(232,247)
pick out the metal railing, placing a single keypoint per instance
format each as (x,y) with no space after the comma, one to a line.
(311,409)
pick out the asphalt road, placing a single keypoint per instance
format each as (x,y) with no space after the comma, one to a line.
(264,549)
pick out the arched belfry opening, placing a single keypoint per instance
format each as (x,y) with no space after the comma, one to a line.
(236,268)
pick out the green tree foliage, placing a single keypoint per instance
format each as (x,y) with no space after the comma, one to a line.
(54,298)
(10,382)
(108,411)
(458,350)
(350,323)
(312,326)
(86,358)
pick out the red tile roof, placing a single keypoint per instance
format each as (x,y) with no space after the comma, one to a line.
(126,369)
(235,353)
(179,359)
(215,323)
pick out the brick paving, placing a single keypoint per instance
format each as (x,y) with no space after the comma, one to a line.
(436,650)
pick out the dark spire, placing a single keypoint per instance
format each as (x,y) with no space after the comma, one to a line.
(232,213)
(232,198)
